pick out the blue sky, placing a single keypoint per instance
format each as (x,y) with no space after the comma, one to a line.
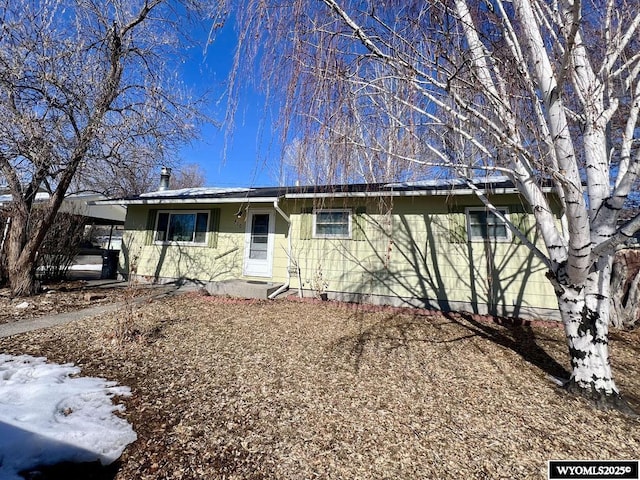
(245,164)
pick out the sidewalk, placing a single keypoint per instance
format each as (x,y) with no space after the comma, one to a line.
(23,326)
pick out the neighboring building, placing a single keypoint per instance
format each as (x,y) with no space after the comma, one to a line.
(428,244)
(104,221)
(83,204)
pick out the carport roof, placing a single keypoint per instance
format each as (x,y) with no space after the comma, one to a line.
(81,204)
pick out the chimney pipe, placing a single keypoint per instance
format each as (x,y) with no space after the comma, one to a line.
(165,175)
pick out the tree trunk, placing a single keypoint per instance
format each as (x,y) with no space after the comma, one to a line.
(598,290)
(21,262)
(587,338)
(625,291)
(22,280)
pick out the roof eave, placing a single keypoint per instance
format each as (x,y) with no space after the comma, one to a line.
(310,195)
(190,200)
(410,193)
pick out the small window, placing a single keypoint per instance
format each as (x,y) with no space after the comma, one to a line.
(182,227)
(332,224)
(484,225)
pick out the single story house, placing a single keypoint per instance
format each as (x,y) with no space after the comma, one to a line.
(429,244)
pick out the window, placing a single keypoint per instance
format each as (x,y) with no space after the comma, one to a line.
(332,224)
(484,225)
(259,241)
(183,227)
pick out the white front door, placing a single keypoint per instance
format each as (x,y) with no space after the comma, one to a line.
(258,245)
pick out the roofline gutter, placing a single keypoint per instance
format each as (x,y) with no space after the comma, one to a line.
(191,200)
(274,200)
(408,193)
(280,211)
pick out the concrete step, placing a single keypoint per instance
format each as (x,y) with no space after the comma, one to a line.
(242,288)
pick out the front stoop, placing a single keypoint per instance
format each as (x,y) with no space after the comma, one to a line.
(243,288)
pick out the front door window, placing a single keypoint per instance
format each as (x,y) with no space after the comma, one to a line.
(258,249)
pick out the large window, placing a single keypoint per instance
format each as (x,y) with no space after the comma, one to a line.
(484,225)
(183,227)
(332,223)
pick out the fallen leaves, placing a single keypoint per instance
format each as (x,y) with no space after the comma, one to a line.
(63,297)
(284,389)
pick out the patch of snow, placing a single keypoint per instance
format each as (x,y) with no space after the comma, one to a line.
(448,182)
(194,192)
(48,415)
(22,305)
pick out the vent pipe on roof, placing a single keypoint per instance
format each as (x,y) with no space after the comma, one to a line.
(165,176)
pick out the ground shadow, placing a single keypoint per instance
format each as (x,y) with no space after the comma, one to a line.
(73,471)
(516,335)
(54,458)
(399,329)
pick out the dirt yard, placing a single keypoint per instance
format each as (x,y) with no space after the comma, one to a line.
(63,297)
(297,390)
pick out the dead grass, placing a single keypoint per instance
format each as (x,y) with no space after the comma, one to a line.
(298,390)
(63,297)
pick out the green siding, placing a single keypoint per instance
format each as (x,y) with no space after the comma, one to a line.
(220,259)
(151,223)
(423,252)
(305,222)
(214,227)
(359,224)
(457,227)
(418,250)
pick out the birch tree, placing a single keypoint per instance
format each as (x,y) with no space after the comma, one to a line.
(544,91)
(86,88)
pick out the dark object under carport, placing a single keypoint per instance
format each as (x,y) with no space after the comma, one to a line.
(109,264)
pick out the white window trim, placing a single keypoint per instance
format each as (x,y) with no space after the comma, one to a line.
(182,243)
(503,210)
(332,210)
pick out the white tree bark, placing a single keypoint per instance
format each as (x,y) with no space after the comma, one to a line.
(587,339)
(540,91)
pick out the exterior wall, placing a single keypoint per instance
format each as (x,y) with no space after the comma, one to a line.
(416,257)
(159,263)
(403,251)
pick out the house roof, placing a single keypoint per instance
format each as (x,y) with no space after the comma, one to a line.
(456,186)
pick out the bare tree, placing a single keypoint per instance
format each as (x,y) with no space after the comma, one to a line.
(86,90)
(133,178)
(544,92)
(187,176)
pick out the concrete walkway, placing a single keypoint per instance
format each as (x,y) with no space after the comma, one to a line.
(156,291)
